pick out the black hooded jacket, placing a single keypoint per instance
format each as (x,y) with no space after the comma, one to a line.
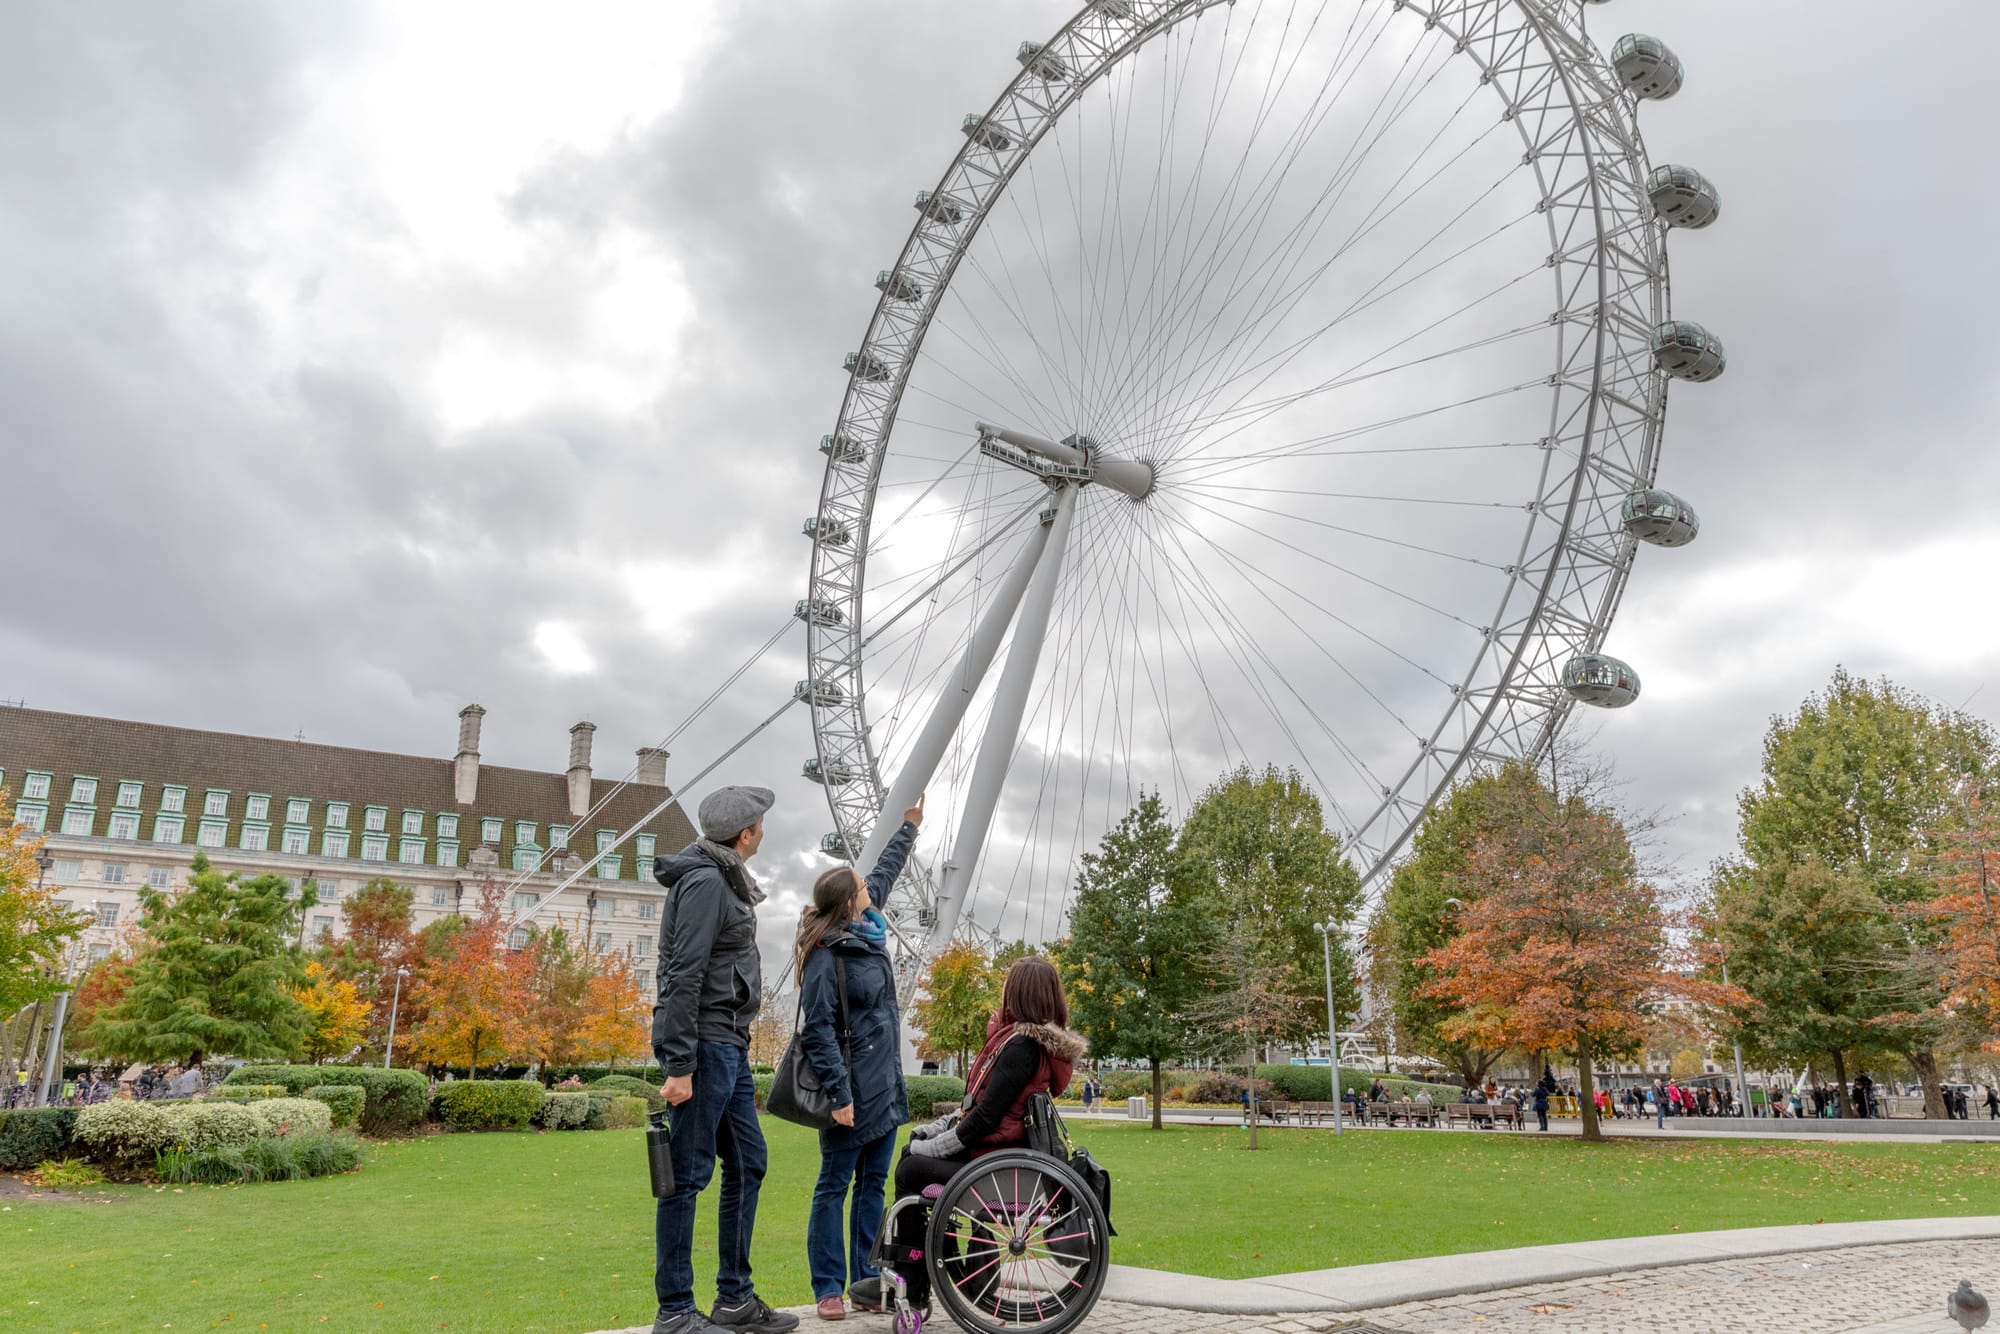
(711,982)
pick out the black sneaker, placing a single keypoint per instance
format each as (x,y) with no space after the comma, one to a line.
(689,1321)
(752,1316)
(868,1294)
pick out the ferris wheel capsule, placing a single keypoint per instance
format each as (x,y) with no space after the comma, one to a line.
(1601,681)
(1683,197)
(1661,518)
(1647,67)
(1687,351)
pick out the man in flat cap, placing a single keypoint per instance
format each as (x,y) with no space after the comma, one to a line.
(710,987)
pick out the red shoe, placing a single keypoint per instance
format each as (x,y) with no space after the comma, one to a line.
(831,1308)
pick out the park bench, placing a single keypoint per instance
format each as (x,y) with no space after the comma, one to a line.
(1483,1113)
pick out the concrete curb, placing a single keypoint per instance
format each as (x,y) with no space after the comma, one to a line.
(1361,1287)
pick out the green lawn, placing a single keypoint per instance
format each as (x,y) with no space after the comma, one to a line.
(554,1232)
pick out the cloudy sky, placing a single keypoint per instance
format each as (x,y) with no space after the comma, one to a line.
(361,361)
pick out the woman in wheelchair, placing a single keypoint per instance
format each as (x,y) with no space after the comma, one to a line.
(1029,1049)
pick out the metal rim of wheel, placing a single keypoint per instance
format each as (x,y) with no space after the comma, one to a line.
(1017,1243)
(920,511)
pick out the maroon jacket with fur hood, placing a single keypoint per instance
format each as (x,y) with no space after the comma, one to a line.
(1017,1062)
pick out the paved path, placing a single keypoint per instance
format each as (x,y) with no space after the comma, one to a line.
(1682,1127)
(1890,1276)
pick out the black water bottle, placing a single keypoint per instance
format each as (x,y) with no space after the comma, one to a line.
(660,1154)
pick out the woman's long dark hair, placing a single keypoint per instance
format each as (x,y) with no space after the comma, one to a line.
(834,894)
(1033,994)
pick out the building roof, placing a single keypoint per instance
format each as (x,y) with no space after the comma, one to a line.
(114,751)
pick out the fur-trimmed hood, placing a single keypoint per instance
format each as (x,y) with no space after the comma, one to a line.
(1059,1042)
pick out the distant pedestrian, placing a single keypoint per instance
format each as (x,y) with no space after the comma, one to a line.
(1658,1097)
(1992,1103)
(1542,1107)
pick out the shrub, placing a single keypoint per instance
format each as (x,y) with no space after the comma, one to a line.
(344,1100)
(625,1113)
(928,1090)
(763,1083)
(246,1092)
(310,1153)
(631,1087)
(1223,1087)
(196,1126)
(32,1135)
(564,1111)
(393,1100)
(600,1107)
(62,1172)
(279,1117)
(489,1104)
(123,1130)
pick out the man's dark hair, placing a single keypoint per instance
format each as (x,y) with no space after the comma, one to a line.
(1033,993)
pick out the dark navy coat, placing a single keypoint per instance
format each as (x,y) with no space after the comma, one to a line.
(872,1075)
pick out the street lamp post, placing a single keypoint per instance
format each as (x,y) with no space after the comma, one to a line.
(1742,1089)
(1326,931)
(395,999)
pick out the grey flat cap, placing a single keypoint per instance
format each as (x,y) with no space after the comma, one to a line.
(728,811)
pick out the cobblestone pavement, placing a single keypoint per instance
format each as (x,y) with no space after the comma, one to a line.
(1897,1289)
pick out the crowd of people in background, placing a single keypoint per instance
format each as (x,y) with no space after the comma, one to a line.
(105,1083)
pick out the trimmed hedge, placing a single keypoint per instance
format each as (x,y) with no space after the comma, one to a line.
(926,1091)
(600,1107)
(279,1117)
(393,1100)
(292,1158)
(123,1130)
(625,1113)
(343,1100)
(246,1092)
(1310,1083)
(590,1074)
(565,1111)
(631,1087)
(490,1104)
(32,1135)
(198,1126)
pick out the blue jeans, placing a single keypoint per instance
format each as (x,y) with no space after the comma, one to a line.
(866,1167)
(719,1121)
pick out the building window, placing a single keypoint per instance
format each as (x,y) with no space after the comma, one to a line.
(107,914)
(611,907)
(216,802)
(36,786)
(83,791)
(489,832)
(440,897)
(447,826)
(323,927)
(524,831)
(168,828)
(374,848)
(124,825)
(605,838)
(213,833)
(128,794)
(413,822)
(336,815)
(607,868)
(375,819)
(603,941)
(522,901)
(298,811)
(68,870)
(518,938)
(526,859)
(173,799)
(296,841)
(646,911)
(255,838)
(329,890)
(645,980)
(99,953)
(332,844)
(645,945)
(114,873)
(257,806)
(559,836)
(159,877)
(78,819)
(411,852)
(642,850)
(447,854)
(32,817)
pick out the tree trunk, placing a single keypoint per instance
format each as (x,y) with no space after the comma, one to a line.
(1586,1095)
(1925,1063)
(1840,1084)
(1157,1086)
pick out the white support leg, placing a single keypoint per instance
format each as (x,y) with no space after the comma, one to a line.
(996,747)
(957,696)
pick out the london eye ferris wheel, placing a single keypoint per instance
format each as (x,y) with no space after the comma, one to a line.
(1273,382)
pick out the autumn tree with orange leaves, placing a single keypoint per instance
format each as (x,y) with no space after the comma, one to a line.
(336,1013)
(1966,913)
(615,1018)
(474,994)
(1562,942)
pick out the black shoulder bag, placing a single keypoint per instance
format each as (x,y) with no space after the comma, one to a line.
(796,1093)
(1048,1135)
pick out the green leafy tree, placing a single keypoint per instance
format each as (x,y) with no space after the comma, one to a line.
(1134,962)
(217,976)
(1422,907)
(960,993)
(1258,842)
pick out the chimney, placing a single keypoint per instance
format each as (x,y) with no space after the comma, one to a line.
(653,766)
(579,769)
(465,768)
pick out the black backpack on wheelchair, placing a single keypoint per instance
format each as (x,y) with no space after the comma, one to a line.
(1047,1134)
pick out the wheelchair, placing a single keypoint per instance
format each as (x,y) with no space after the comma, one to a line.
(1017,1242)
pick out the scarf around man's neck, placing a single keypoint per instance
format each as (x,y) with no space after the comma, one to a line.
(734,868)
